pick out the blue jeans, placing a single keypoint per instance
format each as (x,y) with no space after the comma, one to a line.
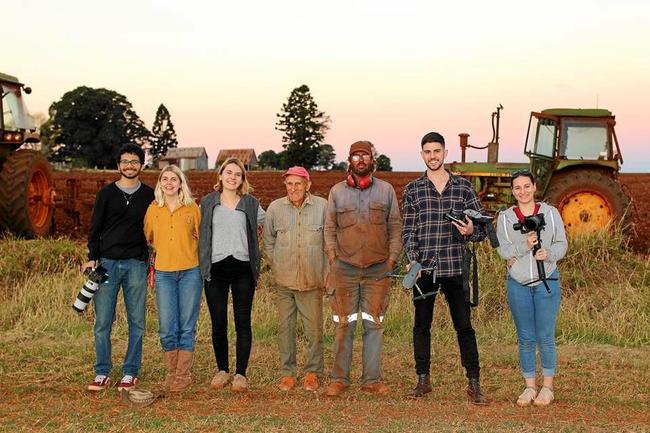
(131,275)
(178,297)
(534,311)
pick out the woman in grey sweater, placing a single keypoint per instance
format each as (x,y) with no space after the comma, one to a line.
(229,258)
(533,299)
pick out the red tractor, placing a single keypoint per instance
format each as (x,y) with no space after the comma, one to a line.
(26,187)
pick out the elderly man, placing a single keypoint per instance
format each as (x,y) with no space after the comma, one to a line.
(362,242)
(293,242)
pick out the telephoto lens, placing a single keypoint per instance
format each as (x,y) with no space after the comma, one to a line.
(96,276)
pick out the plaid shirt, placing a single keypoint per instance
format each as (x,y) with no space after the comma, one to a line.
(426,234)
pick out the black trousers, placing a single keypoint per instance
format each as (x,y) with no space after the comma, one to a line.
(234,274)
(452,287)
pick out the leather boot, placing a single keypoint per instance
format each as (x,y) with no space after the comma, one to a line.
(171,361)
(421,388)
(183,374)
(474,392)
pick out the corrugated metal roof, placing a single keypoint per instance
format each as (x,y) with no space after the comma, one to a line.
(184,152)
(247,156)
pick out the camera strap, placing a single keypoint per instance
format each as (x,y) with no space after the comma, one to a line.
(470,266)
(520,215)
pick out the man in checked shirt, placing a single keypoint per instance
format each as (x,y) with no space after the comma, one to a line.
(429,238)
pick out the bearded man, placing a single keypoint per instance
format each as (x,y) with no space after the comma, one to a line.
(362,243)
(116,242)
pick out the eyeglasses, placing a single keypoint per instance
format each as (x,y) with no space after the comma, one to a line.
(357,158)
(131,162)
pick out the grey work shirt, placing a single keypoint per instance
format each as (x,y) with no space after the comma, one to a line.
(293,242)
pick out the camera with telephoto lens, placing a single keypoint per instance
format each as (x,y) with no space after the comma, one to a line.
(96,276)
(532,223)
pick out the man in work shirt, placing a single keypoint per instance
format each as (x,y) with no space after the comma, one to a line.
(116,242)
(293,242)
(362,242)
(429,238)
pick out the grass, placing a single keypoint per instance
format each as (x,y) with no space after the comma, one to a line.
(47,353)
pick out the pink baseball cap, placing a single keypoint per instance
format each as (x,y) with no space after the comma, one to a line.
(297,171)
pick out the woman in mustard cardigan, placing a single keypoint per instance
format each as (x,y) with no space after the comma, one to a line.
(171,225)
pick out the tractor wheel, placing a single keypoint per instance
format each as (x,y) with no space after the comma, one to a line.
(27,194)
(588,201)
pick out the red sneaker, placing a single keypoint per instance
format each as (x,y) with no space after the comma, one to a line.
(100,383)
(128,382)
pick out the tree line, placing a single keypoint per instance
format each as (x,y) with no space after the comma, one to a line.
(87,126)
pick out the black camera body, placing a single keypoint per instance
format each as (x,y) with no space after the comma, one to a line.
(96,276)
(532,223)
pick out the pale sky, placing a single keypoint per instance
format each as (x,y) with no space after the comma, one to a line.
(384,71)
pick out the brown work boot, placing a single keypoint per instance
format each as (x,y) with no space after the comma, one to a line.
(286,383)
(183,378)
(335,389)
(310,382)
(377,388)
(474,392)
(421,388)
(171,361)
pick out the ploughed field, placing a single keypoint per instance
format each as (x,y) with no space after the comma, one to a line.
(637,186)
(268,186)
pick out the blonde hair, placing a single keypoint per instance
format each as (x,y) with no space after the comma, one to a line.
(245,187)
(184,194)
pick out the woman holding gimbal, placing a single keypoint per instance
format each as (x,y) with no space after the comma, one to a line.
(532,239)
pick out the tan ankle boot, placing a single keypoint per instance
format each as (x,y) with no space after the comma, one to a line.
(183,378)
(171,361)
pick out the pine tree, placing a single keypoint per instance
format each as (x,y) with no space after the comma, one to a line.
(164,135)
(304,128)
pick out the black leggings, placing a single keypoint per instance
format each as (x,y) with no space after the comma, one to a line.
(235,274)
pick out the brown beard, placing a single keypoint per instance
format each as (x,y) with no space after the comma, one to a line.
(130,176)
(365,172)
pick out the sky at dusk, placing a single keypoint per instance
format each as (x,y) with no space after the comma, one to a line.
(384,71)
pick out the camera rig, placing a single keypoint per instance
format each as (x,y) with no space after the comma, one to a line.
(409,279)
(535,223)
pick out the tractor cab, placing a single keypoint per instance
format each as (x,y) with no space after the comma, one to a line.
(563,138)
(15,123)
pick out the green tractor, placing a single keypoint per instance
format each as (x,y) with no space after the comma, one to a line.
(26,187)
(575,156)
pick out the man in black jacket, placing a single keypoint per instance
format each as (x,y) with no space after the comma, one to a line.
(116,242)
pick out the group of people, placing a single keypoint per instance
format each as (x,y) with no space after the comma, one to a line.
(345,246)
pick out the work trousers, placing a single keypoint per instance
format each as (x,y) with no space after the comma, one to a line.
(365,289)
(309,305)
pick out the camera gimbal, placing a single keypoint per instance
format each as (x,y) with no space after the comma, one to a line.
(535,223)
(409,279)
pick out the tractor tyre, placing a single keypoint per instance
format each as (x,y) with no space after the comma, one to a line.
(589,201)
(27,194)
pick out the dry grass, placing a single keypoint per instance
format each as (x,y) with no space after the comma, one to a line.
(46,358)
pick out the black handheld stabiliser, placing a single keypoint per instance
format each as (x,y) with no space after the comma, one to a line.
(535,223)
(486,222)
(409,279)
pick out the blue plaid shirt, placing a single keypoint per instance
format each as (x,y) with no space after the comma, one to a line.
(426,234)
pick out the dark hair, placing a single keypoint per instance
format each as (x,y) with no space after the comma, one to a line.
(131,148)
(522,173)
(433,137)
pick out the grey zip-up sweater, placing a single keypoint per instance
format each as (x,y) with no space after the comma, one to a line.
(247,204)
(512,244)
